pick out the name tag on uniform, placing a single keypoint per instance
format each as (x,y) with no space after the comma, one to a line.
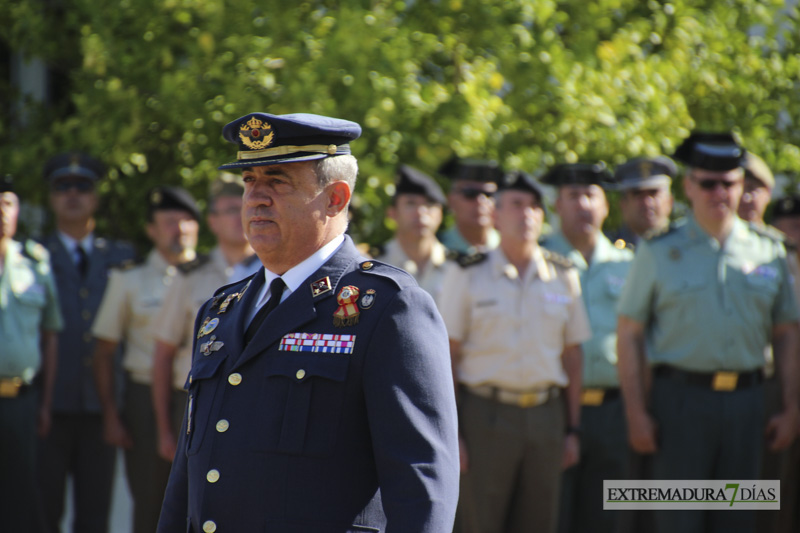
(317,342)
(556,298)
(766,271)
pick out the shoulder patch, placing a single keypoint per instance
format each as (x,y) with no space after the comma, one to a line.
(194,264)
(557,259)
(36,251)
(468,260)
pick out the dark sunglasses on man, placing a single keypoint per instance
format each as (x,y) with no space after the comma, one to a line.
(79,185)
(471,193)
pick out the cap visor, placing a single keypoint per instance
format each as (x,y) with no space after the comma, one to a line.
(246,163)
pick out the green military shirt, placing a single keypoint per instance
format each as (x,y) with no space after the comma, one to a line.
(454,241)
(708,307)
(28,304)
(601,283)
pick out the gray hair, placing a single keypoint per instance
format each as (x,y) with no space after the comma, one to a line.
(338,168)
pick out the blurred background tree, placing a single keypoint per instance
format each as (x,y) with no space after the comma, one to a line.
(146,85)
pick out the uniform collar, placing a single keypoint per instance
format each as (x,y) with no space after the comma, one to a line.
(395,255)
(295,276)
(87,243)
(502,267)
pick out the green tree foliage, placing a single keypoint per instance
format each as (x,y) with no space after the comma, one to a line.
(150,83)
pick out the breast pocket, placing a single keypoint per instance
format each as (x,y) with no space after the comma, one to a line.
(202,390)
(305,394)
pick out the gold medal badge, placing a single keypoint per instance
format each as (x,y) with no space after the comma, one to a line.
(347,313)
(209,325)
(224,306)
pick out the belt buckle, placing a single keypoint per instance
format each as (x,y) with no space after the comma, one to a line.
(9,388)
(593,397)
(725,381)
(529,399)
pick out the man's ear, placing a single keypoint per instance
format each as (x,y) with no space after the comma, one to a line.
(338,197)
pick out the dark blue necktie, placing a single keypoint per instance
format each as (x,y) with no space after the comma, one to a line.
(275,292)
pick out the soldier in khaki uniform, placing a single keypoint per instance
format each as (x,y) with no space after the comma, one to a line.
(416,208)
(516,321)
(29,325)
(758,185)
(582,208)
(474,184)
(130,304)
(701,303)
(231,260)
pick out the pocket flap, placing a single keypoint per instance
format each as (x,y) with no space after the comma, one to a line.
(203,369)
(301,366)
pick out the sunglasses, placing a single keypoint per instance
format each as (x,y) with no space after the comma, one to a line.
(710,185)
(472,193)
(78,185)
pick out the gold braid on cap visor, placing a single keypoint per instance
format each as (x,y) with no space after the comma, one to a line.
(329,149)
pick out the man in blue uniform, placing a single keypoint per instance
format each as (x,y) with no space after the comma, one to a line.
(335,412)
(81,262)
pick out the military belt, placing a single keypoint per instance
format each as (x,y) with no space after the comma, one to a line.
(518,398)
(722,381)
(595,397)
(9,387)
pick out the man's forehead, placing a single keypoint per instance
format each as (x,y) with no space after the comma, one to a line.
(9,196)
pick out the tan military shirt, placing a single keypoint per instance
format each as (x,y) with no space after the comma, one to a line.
(174,323)
(132,299)
(431,277)
(513,330)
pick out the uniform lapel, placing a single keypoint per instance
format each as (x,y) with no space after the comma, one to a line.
(300,307)
(61,258)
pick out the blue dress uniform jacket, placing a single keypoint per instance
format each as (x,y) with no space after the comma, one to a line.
(75,390)
(302,441)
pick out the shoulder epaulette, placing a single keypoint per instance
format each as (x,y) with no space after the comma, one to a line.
(194,264)
(398,276)
(557,259)
(128,264)
(451,255)
(468,260)
(36,251)
(771,232)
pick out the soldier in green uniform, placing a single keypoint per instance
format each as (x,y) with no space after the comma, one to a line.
(29,325)
(758,185)
(702,302)
(582,208)
(471,198)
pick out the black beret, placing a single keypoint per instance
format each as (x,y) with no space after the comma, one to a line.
(6,183)
(412,181)
(788,206)
(73,165)
(711,151)
(265,139)
(578,174)
(165,197)
(645,172)
(517,180)
(472,170)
